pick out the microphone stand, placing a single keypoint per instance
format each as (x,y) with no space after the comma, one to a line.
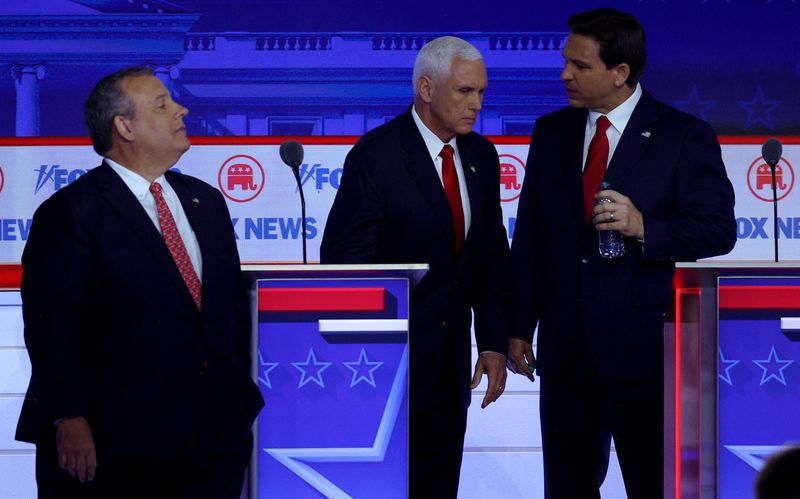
(774,209)
(296,171)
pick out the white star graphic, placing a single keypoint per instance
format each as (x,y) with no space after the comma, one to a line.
(266,367)
(770,365)
(317,367)
(727,365)
(360,373)
(754,455)
(759,109)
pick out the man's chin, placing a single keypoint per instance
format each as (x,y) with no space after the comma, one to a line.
(580,104)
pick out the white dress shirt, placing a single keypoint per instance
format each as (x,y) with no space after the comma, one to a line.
(140,188)
(435,145)
(619,117)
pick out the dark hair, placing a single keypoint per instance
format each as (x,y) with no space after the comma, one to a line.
(780,476)
(620,35)
(106,102)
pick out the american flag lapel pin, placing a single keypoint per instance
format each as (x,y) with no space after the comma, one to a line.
(646,135)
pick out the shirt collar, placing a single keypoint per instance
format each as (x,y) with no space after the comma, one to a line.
(620,115)
(139,186)
(432,142)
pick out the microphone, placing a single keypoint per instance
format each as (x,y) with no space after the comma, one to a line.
(291,153)
(771,152)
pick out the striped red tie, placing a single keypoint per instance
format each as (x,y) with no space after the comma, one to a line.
(174,243)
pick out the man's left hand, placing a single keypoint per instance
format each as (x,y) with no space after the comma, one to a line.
(494,365)
(620,215)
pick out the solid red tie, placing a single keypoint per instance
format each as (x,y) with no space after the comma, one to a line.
(453,193)
(174,243)
(596,162)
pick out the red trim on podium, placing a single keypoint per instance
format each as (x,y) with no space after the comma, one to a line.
(759,297)
(321,299)
(10,276)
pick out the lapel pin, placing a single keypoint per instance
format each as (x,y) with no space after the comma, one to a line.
(195,200)
(646,135)
(472,167)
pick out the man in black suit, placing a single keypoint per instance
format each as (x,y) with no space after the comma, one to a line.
(424,188)
(136,317)
(600,340)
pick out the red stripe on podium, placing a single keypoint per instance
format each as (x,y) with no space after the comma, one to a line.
(759,297)
(10,276)
(321,299)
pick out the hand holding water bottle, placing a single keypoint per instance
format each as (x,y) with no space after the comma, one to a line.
(615,212)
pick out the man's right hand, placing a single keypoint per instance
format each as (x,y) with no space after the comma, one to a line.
(520,357)
(75,446)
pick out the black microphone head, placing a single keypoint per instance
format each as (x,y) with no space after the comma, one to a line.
(291,153)
(771,151)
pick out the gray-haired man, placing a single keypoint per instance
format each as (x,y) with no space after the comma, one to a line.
(424,188)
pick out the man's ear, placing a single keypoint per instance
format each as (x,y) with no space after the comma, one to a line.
(621,73)
(123,129)
(425,88)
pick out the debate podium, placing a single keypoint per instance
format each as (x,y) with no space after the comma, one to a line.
(331,360)
(732,380)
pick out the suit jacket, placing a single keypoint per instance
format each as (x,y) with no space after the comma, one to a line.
(669,164)
(112,331)
(391,208)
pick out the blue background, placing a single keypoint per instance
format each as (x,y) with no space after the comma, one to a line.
(732,62)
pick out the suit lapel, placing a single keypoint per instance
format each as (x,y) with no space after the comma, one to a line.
(634,141)
(469,163)
(423,171)
(122,200)
(572,157)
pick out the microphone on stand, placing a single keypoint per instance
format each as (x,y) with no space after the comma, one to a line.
(771,151)
(291,153)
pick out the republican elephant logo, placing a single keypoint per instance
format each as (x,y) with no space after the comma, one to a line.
(241,178)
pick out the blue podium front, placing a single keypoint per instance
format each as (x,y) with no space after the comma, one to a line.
(332,365)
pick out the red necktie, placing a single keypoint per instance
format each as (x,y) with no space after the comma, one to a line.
(596,162)
(453,193)
(175,244)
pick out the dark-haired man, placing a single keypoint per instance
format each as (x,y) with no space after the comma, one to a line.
(136,319)
(600,340)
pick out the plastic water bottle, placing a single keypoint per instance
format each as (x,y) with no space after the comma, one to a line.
(610,243)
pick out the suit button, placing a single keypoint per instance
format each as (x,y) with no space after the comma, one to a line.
(584,260)
(444,325)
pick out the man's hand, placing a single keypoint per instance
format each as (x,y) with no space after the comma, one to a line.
(490,363)
(75,445)
(620,215)
(520,357)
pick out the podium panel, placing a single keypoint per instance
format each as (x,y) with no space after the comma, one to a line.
(332,366)
(732,384)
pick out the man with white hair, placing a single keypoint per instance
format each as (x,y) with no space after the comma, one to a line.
(424,188)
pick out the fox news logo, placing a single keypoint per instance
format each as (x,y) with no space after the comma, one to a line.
(241,178)
(320,176)
(56,175)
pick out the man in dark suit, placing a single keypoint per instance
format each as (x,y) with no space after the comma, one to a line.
(424,188)
(600,340)
(136,317)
